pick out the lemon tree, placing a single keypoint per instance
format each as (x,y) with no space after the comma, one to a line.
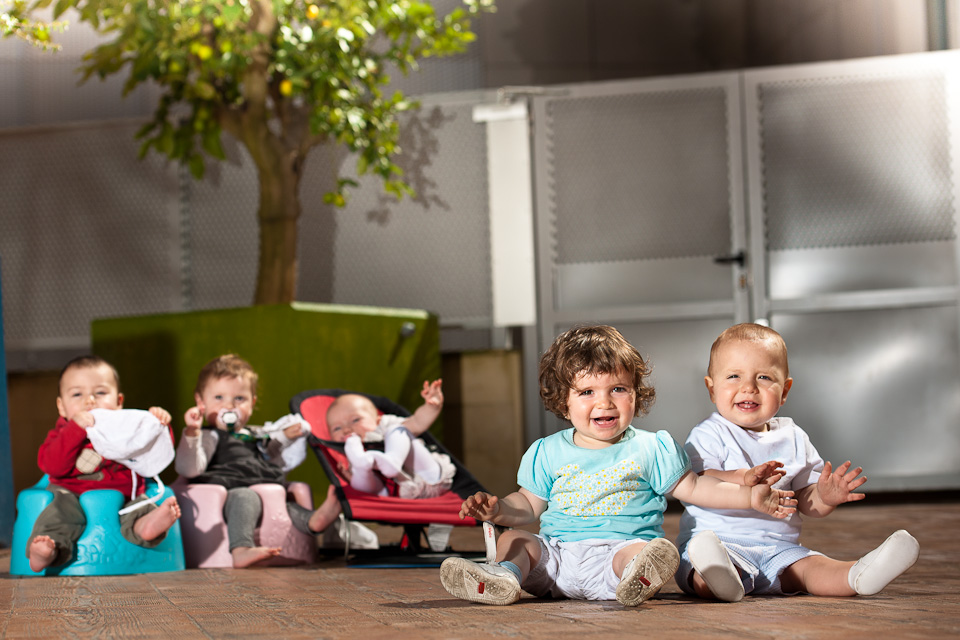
(280,76)
(14,21)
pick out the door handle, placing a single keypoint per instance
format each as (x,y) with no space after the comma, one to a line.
(739,257)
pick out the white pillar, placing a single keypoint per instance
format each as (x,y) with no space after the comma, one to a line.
(511,213)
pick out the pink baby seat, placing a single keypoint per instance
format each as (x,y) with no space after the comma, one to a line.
(205,542)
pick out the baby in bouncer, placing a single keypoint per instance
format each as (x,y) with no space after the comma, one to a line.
(419,473)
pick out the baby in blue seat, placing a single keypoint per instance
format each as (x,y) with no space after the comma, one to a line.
(68,457)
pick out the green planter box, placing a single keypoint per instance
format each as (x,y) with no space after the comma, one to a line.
(295,347)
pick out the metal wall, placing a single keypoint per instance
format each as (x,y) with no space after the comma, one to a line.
(85,223)
(89,231)
(7,500)
(837,182)
(640,189)
(854,177)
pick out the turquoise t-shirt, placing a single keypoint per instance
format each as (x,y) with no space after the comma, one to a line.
(615,493)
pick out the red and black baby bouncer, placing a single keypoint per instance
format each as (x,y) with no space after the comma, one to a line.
(423,520)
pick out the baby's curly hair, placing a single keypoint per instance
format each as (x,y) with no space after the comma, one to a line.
(226,366)
(591,349)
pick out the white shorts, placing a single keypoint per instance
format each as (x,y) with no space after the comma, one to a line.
(759,565)
(579,570)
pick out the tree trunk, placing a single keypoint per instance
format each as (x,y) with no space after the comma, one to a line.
(279,214)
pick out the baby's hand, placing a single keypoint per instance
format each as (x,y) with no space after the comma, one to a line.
(194,420)
(294,431)
(162,415)
(837,487)
(768,472)
(480,506)
(84,419)
(773,502)
(432,392)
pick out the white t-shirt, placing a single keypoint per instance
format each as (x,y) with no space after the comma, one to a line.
(717,443)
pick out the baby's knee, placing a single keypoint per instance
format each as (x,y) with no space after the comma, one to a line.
(516,540)
(242,498)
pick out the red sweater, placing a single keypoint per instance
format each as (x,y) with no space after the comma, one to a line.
(58,459)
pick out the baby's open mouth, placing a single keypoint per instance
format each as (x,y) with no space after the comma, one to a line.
(605,421)
(747,406)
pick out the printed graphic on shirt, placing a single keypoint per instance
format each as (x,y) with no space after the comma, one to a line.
(88,461)
(604,493)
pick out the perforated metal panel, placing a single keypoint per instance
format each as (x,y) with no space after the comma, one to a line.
(853,177)
(435,251)
(621,168)
(856,160)
(42,87)
(85,233)
(431,251)
(638,189)
(221,232)
(880,389)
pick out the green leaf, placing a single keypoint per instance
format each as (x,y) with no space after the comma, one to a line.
(211,142)
(195,164)
(205,90)
(213,70)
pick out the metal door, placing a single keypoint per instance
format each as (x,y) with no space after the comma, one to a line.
(639,191)
(852,174)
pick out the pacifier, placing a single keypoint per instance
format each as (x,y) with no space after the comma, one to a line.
(227,419)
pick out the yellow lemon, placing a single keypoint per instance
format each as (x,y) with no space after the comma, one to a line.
(313,11)
(286,87)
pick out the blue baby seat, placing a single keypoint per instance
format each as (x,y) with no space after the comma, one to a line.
(101,550)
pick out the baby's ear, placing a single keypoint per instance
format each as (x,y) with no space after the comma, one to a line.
(119,401)
(787,384)
(708,381)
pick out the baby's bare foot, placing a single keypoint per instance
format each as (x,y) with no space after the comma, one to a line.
(246,556)
(42,551)
(159,520)
(326,514)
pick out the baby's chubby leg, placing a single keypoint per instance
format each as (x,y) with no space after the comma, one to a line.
(41,551)
(521,548)
(396,448)
(157,521)
(715,575)
(822,576)
(242,511)
(499,583)
(326,513)
(817,575)
(244,557)
(424,464)
(56,529)
(362,476)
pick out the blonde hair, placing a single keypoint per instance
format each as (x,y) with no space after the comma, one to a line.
(591,349)
(226,366)
(363,401)
(751,332)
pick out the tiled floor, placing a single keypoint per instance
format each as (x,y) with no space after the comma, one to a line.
(331,600)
